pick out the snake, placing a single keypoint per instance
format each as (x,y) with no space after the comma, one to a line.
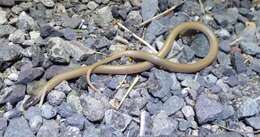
(149,60)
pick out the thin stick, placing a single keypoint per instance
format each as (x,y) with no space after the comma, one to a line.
(142,124)
(122,82)
(160,15)
(137,37)
(128,91)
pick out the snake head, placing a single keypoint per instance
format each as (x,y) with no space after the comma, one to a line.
(32,100)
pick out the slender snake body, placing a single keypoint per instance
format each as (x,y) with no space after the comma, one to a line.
(149,61)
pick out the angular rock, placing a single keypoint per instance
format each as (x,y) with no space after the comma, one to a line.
(18,127)
(117,120)
(173,104)
(50,128)
(188,111)
(33,114)
(56,97)
(49,31)
(74,101)
(207,109)
(163,125)
(28,20)
(76,120)
(200,45)
(70,131)
(28,75)
(69,34)
(48,111)
(17,37)
(149,8)
(248,108)
(65,110)
(254,122)
(7,3)
(103,16)
(48,3)
(238,62)
(3,15)
(12,94)
(72,22)
(93,109)
(8,53)
(6,30)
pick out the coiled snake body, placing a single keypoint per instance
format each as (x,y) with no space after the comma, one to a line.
(149,61)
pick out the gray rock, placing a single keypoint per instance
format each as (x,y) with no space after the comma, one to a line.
(57,52)
(191,83)
(49,31)
(113,83)
(28,75)
(48,3)
(64,87)
(200,45)
(225,134)
(232,81)
(48,111)
(76,120)
(224,46)
(149,8)
(61,50)
(6,30)
(173,104)
(28,20)
(103,16)
(12,94)
(73,100)
(69,34)
(207,109)
(17,37)
(93,109)
(70,131)
(224,59)
(229,16)
(188,111)
(72,22)
(3,124)
(13,113)
(50,128)
(102,43)
(56,97)
(7,3)
(8,53)
(33,114)
(92,5)
(3,15)
(154,29)
(238,62)
(256,66)
(53,71)
(163,82)
(249,42)
(163,125)
(117,120)
(248,108)
(91,132)
(35,123)
(65,110)
(18,127)
(184,125)
(188,53)
(254,122)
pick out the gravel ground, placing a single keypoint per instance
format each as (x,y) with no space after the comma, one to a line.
(41,38)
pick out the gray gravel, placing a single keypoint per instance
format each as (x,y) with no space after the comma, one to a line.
(40,39)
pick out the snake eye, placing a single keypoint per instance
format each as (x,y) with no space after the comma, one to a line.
(32,100)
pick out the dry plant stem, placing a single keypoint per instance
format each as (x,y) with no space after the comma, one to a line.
(142,124)
(128,91)
(137,37)
(160,15)
(122,82)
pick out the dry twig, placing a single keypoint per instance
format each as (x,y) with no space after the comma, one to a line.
(161,14)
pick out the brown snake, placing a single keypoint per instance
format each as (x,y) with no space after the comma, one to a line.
(149,61)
